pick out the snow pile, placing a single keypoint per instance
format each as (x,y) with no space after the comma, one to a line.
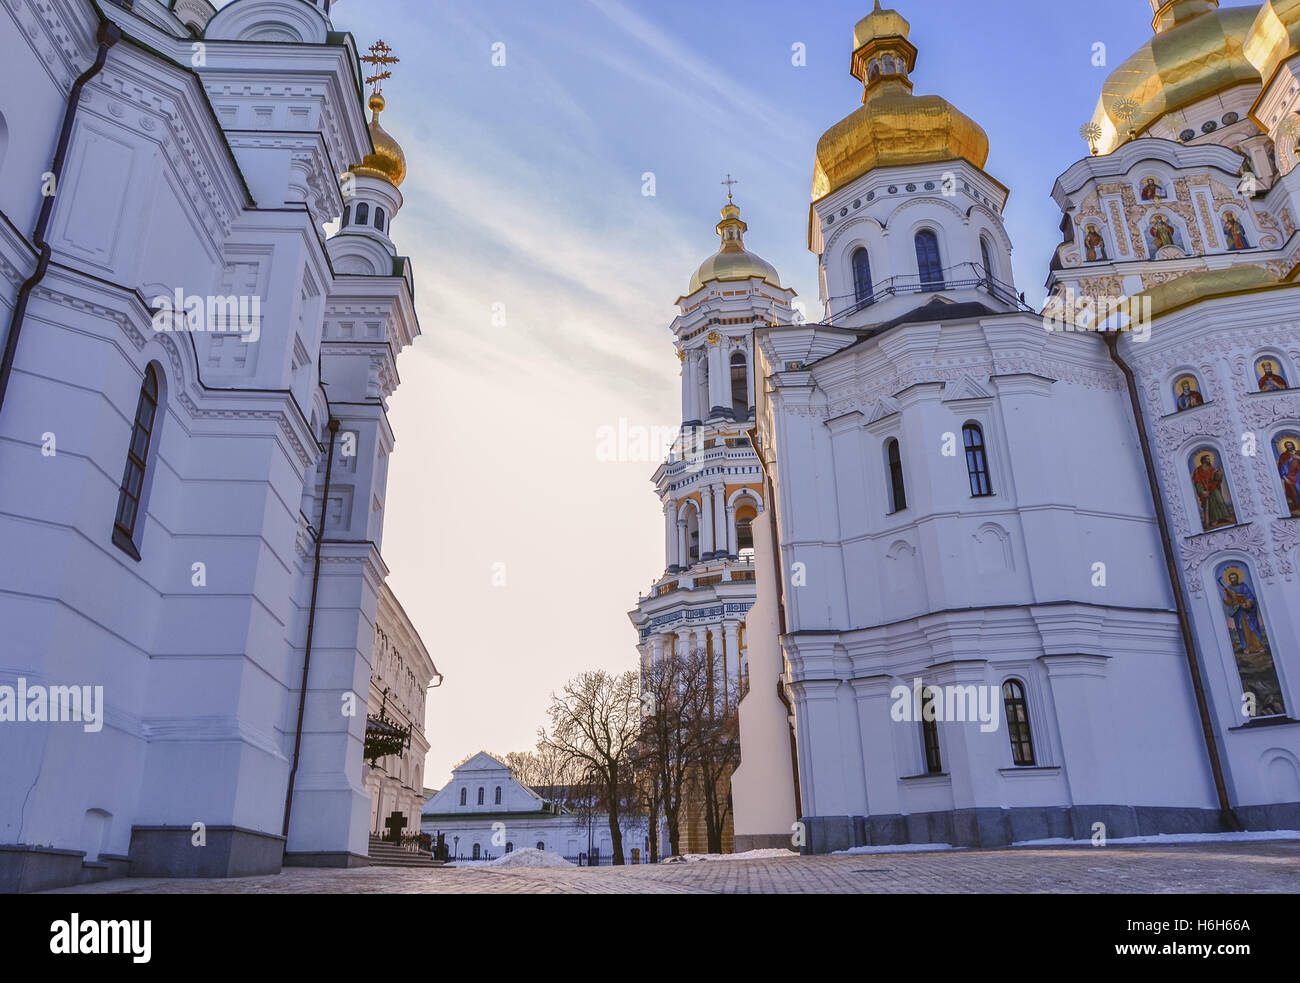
(895,848)
(1167,838)
(527,857)
(766,854)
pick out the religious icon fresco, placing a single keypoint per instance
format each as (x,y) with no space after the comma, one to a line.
(1250,642)
(1212,494)
(1094,245)
(1152,189)
(1286,448)
(1234,232)
(1187,392)
(1161,233)
(1269,375)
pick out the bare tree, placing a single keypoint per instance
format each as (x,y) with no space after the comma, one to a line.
(714,720)
(594,724)
(672,689)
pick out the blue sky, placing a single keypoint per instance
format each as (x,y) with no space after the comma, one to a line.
(525,190)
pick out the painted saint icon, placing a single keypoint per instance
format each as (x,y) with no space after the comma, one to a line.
(1161,234)
(1187,392)
(1094,245)
(1270,377)
(1286,447)
(1152,189)
(1250,642)
(1212,494)
(1234,232)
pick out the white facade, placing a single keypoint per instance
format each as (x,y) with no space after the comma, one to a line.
(400,676)
(961,498)
(200,176)
(484,813)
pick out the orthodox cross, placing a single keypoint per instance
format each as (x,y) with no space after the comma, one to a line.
(395,823)
(729,182)
(381,56)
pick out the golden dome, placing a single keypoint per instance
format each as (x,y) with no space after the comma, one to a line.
(880,24)
(387,162)
(732,261)
(893,127)
(1198,50)
(1274,37)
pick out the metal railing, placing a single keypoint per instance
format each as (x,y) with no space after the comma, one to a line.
(964,276)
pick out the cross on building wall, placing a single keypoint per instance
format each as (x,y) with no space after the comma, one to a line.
(395,823)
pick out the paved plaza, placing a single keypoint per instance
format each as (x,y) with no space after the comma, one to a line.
(1256,867)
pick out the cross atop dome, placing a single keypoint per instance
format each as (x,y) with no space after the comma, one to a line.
(729,182)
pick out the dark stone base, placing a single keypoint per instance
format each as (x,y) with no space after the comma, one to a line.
(1002,827)
(168,851)
(38,868)
(339,858)
(762,841)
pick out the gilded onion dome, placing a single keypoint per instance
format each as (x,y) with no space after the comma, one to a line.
(387,162)
(732,260)
(893,127)
(1198,50)
(1274,37)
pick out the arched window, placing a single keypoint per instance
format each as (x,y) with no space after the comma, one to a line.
(497,800)
(986,255)
(1251,642)
(692,535)
(928,265)
(861,276)
(897,492)
(363,213)
(480,795)
(1017,710)
(476,851)
(510,847)
(541,845)
(130,496)
(977,462)
(739,386)
(379,218)
(1210,482)
(463,793)
(930,732)
(745,515)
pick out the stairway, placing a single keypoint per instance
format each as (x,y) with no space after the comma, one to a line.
(385,853)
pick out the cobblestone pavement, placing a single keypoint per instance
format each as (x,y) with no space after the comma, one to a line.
(1255,867)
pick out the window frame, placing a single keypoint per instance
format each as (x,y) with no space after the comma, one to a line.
(897,480)
(137,469)
(981,453)
(929,277)
(862,292)
(1020,742)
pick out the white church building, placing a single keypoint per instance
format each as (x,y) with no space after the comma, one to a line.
(194,438)
(484,812)
(1030,579)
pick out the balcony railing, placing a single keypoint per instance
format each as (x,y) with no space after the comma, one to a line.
(964,276)
(707,573)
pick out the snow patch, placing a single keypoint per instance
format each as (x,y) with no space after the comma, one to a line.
(768,853)
(527,857)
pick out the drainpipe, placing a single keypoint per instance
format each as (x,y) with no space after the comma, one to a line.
(1229,818)
(311,626)
(109,34)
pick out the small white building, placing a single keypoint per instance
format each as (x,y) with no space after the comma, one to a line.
(484,812)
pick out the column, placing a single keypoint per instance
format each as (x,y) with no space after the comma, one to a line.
(731,644)
(706,528)
(656,649)
(671,562)
(720,516)
(683,556)
(690,388)
(732,548)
